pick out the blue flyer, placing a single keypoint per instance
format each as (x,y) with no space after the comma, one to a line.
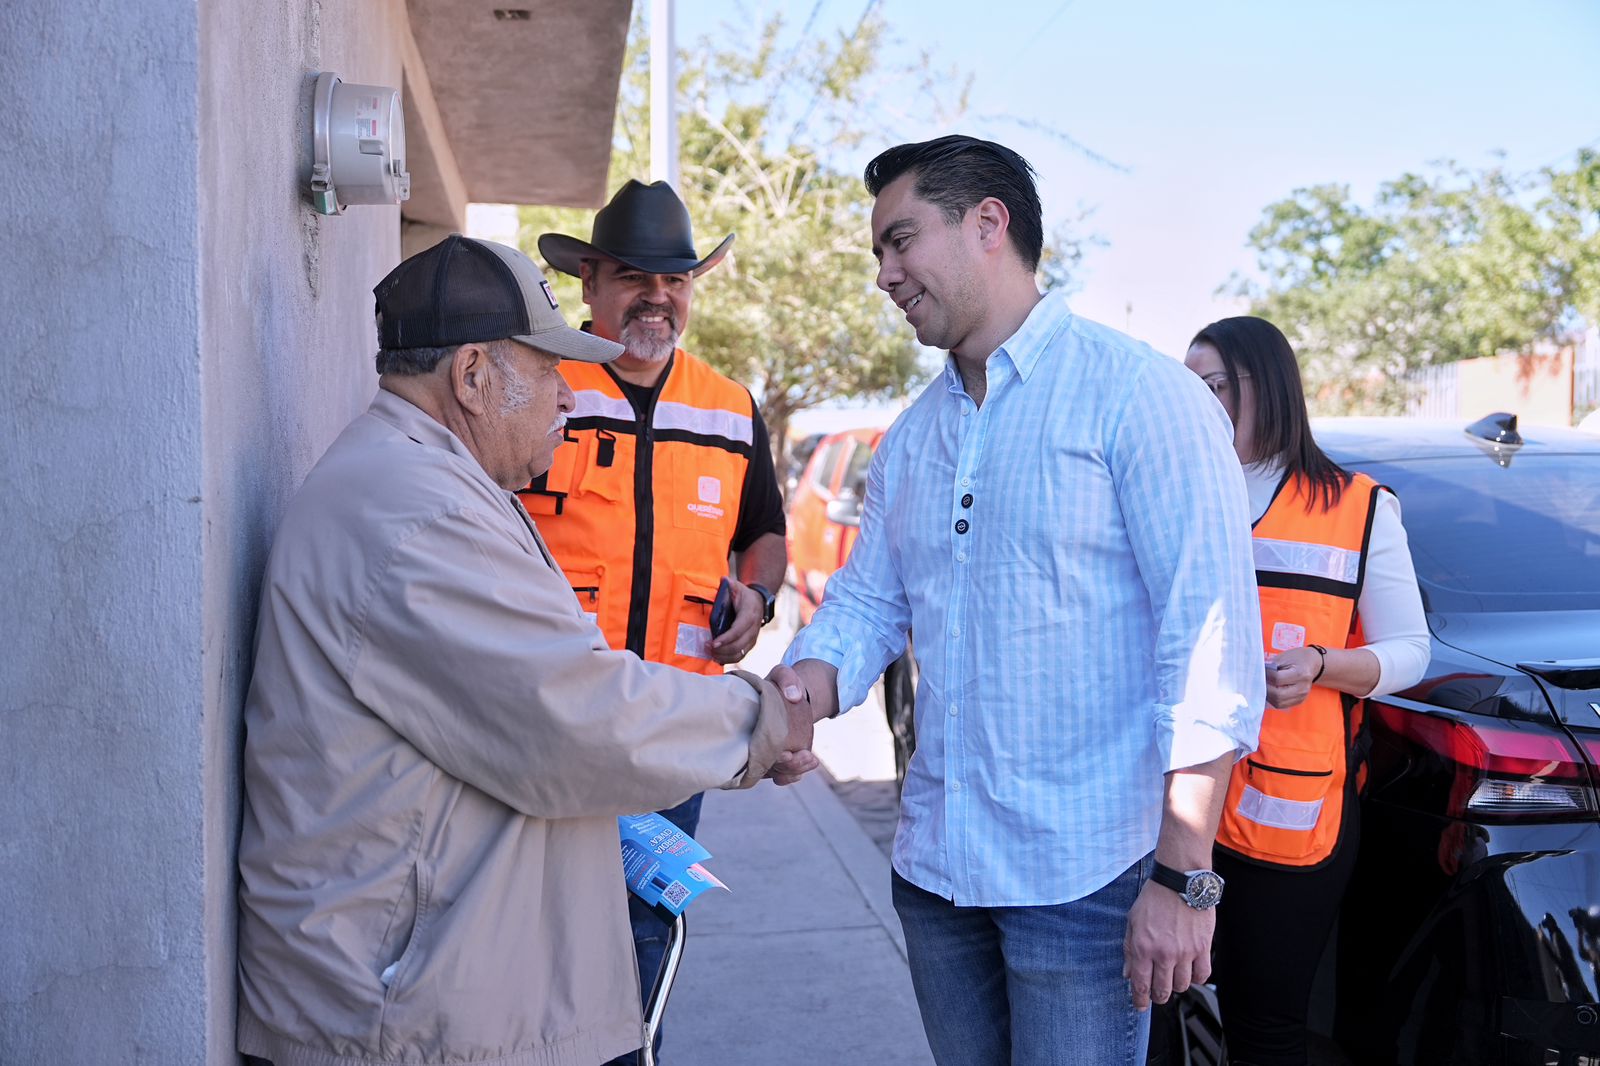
(662,863)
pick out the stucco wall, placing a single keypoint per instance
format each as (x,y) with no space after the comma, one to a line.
(185,336)
(286,347)
(102,951)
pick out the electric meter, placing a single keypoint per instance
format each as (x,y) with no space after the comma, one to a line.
(358,146)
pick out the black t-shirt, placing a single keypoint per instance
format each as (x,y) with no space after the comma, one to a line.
(761,501)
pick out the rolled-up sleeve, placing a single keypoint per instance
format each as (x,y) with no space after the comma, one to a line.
(1182,495)
(865,615)
(470,647)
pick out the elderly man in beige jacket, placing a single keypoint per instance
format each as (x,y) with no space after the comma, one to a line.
(437,738)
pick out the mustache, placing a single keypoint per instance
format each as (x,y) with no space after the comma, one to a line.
(644,307)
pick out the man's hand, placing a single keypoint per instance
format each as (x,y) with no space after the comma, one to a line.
(797,759)
(749,607)
(821,682)
(1167,947)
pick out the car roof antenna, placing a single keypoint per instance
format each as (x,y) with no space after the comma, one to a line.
(1497,435)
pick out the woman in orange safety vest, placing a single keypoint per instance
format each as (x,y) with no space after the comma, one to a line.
(1341,619)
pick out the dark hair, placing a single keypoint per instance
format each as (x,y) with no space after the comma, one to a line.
(1256,348)
(955,172)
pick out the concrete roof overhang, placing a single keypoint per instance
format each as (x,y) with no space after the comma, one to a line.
(509,104)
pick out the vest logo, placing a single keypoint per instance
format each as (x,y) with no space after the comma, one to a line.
(1286,635)
(710,497)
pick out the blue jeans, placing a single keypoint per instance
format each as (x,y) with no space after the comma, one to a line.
(650,932)
(1028,986)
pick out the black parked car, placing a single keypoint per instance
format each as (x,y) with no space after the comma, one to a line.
(1471,931)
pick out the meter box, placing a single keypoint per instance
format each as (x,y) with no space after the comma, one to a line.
(358,146)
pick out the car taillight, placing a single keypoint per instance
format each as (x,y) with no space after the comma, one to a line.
(1503,771)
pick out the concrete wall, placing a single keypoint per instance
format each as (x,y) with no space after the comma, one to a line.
(1537,388)
(185,337)
(287,340)
(102,951)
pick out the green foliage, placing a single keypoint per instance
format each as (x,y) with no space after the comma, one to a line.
(1453,266)
(792,312)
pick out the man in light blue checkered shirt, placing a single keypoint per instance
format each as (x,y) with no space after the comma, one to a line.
(1061,520)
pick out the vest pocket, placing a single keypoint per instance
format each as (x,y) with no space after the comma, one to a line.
(687,634)
(1283,803)
(706,488)
(597,471)
(586,587)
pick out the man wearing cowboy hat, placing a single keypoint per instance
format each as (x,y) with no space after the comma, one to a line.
(668,470)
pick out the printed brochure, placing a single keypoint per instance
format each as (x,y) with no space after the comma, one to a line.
(662,863)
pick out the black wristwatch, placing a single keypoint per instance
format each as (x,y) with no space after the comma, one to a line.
(768,599)
(1200,889)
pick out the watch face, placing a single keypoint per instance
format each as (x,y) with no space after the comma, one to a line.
(1204,891)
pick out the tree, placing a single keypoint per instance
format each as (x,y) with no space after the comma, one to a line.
(792,312)
(1454,266)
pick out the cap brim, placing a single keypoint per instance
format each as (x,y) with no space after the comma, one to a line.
(567,254)
(569,343)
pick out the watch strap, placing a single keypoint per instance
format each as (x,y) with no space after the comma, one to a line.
(768,600)
(1200,889)
(1167,877)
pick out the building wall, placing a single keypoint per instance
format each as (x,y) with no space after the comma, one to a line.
(185,337)
(1537,388)
(102,955)
(287,339)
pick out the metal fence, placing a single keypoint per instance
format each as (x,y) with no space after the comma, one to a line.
(1586,373)
(1434,391)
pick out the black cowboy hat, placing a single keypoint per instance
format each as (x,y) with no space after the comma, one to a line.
(645,227)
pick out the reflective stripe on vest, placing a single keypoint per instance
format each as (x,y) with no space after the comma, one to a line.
(1285,801)
(647,574)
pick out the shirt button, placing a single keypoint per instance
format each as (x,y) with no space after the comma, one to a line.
(965,411)
(955,786)
(954,710)
(961,525)
(965,482)
(961,557)
(966,501)
(955,631)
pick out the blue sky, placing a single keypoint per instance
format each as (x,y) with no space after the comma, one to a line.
(1218,109)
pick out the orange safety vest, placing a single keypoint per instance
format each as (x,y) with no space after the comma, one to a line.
(640,509)
(1285,802)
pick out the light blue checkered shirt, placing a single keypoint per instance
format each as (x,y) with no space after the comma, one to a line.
(1086,623)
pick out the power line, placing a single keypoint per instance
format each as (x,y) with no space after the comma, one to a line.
(1038,34)
(816,93)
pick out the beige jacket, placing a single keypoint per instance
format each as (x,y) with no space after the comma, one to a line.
(437,744)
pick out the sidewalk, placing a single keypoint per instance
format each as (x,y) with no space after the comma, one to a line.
(803,962)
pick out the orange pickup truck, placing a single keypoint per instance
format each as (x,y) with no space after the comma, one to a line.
(824,517)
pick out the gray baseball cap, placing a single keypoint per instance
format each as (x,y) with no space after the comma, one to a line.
(464,290)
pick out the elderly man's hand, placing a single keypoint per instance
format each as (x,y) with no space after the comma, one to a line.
(749,608)
(797,759)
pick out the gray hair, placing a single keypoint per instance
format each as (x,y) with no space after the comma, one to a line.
(414,362)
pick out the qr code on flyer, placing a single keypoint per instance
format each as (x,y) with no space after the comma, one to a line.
(675,893)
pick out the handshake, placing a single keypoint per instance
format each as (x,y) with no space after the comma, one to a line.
(810,693)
